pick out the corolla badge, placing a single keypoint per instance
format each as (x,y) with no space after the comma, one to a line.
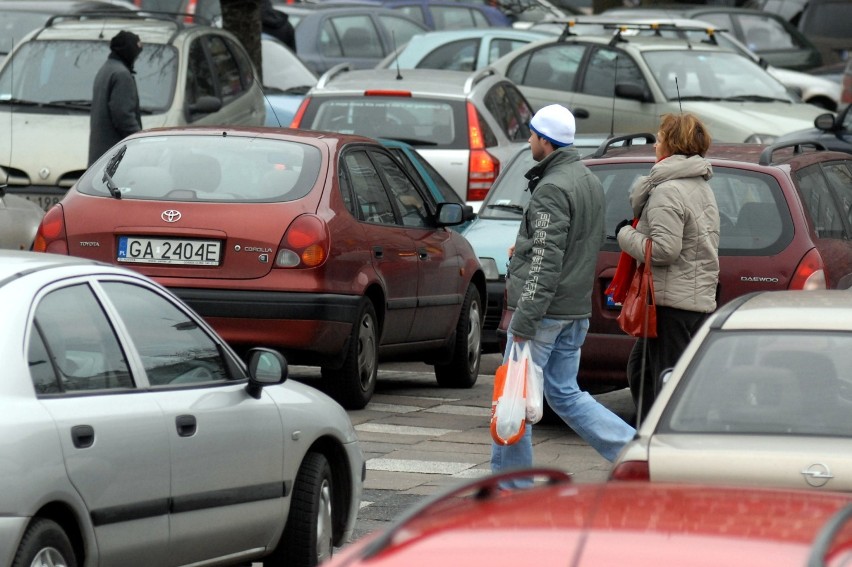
(170,215)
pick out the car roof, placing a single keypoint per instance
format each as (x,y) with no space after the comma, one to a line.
(60,6)
(151,28)
(16,263)
(815,310)
(314,137)
(425,82)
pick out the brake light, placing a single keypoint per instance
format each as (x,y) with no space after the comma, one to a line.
(631,470)
(483,167)
(51,236)
(380,92)
(190,10)
(305,244)
(297,118)
(810,273)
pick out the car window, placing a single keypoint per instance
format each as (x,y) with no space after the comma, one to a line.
(762,33)
(350,36)
(417,121)
(839,176)
(457,17)
(448,194)
(782,382)
(226,69)
(410,203)
(400,29)
(73,346)
(608,67)
(820,202)
(511,110)
(174,349)
(551,67)
(501,46)
(414,12)
(246,69)
(369,199)
(199,75)
(55,71)
(455,55)
(754,218)
(200,168)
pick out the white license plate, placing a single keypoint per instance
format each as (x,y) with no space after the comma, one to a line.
(169,251)
(40,199)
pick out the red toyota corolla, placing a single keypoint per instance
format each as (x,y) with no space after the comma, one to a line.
(317,244)
(561,524)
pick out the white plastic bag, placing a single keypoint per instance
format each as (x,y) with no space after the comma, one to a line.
(508,404)
(535,386)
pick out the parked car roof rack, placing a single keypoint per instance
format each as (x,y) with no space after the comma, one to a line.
(141,15)
(624,141)
(333,72)
(477,77)
(797,145)
(658,28)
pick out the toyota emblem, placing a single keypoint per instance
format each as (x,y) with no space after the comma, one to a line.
(171,215)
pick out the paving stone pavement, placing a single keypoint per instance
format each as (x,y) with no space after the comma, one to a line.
(420,439)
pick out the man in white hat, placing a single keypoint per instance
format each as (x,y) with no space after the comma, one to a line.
(550,278)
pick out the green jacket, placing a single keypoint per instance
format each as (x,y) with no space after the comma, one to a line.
(552,270)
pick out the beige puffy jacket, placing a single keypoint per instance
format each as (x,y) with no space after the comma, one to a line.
(677,209)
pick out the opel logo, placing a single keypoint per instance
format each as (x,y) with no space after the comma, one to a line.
(817,474)
(170,216)
(44,173)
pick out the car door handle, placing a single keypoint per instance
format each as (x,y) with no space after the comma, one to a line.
(422,253)
(83,436)
(378,251)
(186,425)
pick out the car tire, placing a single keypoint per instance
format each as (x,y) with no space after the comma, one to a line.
(45,543)
(353,384)
(463,369)
(309,535)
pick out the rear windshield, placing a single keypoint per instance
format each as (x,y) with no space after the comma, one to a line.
(208,168)
(765,382)
(754,218)
(62,73)
(419,122)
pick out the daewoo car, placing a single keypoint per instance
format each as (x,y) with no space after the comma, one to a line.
(315,243)
(137,437)
(616,523)
(465,124)
(761,397)
(46,91)
(785,224)
(623,83)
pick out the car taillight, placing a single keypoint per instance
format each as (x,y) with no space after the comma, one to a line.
(297,118)
(810,273)
(50,236)
(190,11)
(483,167)
(305,244)
(631,470)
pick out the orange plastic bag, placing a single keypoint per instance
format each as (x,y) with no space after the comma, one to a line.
(508,402)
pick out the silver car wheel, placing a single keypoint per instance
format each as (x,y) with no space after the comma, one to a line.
(49,557)
(366,351)
(474,336)
(324,528)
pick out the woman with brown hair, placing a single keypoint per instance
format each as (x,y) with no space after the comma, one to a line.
(677,211)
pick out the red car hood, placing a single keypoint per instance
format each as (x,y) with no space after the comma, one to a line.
(613,524)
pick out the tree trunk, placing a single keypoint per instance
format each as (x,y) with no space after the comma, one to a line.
(242,18)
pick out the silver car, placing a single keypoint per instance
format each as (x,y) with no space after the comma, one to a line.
(466,125)
(19,220)
(762,396)
(136,437)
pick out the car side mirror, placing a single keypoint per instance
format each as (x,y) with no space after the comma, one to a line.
(206,105)
(824,122)
(265,367)
(450,214)
(631,91)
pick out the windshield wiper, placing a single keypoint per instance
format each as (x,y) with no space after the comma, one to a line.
(697,97)
(110,170)
(19,101)
(81,104)
(507,207)
(754,98)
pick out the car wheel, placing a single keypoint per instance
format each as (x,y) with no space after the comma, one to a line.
(353,384)
(308,536)
(463,368)
(45,543)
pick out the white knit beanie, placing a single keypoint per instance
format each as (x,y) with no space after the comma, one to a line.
(554,123)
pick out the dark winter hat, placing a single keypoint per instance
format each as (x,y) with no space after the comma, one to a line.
(127,45)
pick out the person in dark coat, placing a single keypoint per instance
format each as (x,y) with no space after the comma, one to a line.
(115,99)
(277,24)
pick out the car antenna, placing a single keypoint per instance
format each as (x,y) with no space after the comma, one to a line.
(677,88)
(5,183)
(612,116)
(396,59)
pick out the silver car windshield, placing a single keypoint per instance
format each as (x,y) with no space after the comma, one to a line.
(208,168)
(766,382)
(61,74)
(705,75)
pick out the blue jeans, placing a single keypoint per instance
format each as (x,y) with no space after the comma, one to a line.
(556,348)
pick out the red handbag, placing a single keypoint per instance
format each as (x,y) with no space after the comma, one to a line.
(638,317)
(624,271)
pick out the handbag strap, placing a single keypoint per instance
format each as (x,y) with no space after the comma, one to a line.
(647,267)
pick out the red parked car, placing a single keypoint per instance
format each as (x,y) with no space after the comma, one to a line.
(615,523)
(320,245)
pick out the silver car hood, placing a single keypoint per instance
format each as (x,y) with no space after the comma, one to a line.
(736,121)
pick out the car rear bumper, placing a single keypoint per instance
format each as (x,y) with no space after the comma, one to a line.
(309,327)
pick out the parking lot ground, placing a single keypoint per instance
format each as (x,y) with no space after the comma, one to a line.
(420,438)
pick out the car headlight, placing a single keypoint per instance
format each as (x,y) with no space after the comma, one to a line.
(489,266)
(761,139)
